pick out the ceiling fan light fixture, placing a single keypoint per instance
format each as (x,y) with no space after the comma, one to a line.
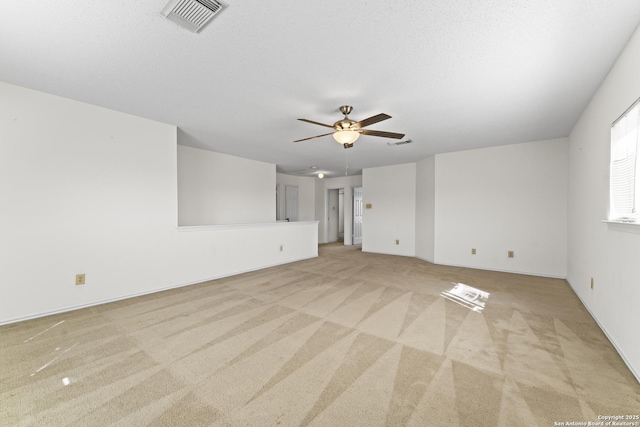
(346,136)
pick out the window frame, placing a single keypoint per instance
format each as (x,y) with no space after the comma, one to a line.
(629,217)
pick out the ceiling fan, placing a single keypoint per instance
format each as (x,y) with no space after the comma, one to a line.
(346,131)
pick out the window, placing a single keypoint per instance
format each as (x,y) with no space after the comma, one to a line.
(625,168)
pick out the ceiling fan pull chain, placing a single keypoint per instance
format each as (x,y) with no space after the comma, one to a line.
(346,161)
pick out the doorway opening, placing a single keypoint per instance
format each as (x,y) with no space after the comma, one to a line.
(286,202)
(357,216)
(335,217)
(343,208)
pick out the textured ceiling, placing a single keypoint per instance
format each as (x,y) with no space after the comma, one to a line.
(454,75)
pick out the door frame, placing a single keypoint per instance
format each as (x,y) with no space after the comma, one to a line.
(348,214)
(353,214)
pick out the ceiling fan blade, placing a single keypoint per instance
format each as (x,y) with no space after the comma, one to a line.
(373,119)
(381,133)
(316,123)
(313,137)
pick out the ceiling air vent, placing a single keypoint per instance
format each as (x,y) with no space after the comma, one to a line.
(192,14)
(408,141)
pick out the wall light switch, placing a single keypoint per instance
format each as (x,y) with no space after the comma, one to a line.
(592,283)
(473,251)
(368,206)
(80,279)
(510,254)
(397,242)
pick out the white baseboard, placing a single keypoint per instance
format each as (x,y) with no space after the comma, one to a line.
(611,340)
(123,297)
(430,261)
(526,273)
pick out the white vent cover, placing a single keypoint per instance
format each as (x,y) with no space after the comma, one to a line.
(408,141)
(192,14)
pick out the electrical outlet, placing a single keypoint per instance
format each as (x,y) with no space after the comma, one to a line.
(80,279)
(397,242)
(592,283)
(510,254)
(473,251)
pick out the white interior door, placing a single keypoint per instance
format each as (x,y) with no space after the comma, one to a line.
(357,216)
(341,214)
(291,202)
(279,213)
(333,216)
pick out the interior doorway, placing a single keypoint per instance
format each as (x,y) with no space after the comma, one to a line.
(335,215)
(291,202)
(286,202)
(357,216)
(341,215)
(338,222)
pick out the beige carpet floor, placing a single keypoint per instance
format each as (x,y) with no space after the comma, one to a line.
(345,339)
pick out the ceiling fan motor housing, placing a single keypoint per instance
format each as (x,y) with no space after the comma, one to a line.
(345,124)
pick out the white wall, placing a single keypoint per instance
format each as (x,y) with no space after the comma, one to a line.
(608,255)
(498,199)
(215,188)
(306,194)
(425,208)
(391,191)
(94,191)
(321,200)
